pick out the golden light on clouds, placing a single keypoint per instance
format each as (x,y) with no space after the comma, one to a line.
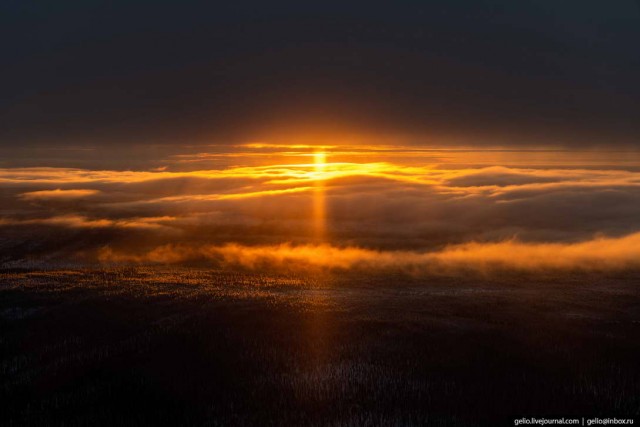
(340,207)
(319,197)
(58,194)
(595,254)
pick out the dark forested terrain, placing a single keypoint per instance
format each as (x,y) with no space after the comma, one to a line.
(195,347)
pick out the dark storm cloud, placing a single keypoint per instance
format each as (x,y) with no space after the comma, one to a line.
(495,72)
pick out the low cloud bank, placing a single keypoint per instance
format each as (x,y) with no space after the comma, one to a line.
(406,203)
(58,194)
(597,254)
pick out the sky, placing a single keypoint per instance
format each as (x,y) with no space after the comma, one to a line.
(494,73)
(425,136)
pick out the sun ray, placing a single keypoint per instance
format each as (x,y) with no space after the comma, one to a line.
(319,197)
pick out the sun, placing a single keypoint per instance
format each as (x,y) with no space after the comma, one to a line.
(320,160)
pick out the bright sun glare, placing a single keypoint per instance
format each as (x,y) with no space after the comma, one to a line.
(320,160)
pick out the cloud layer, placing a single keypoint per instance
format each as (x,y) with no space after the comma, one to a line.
(596,254)
(349,206)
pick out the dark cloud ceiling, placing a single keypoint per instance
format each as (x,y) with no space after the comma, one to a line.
(499,72)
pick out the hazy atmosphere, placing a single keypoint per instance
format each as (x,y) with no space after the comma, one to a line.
(340,214)
(328,206)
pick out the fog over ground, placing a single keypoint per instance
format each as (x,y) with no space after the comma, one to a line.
(328,207)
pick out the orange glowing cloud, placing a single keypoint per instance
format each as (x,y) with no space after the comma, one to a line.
(58,194)
(334,201)
(596,254)
(79,221)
